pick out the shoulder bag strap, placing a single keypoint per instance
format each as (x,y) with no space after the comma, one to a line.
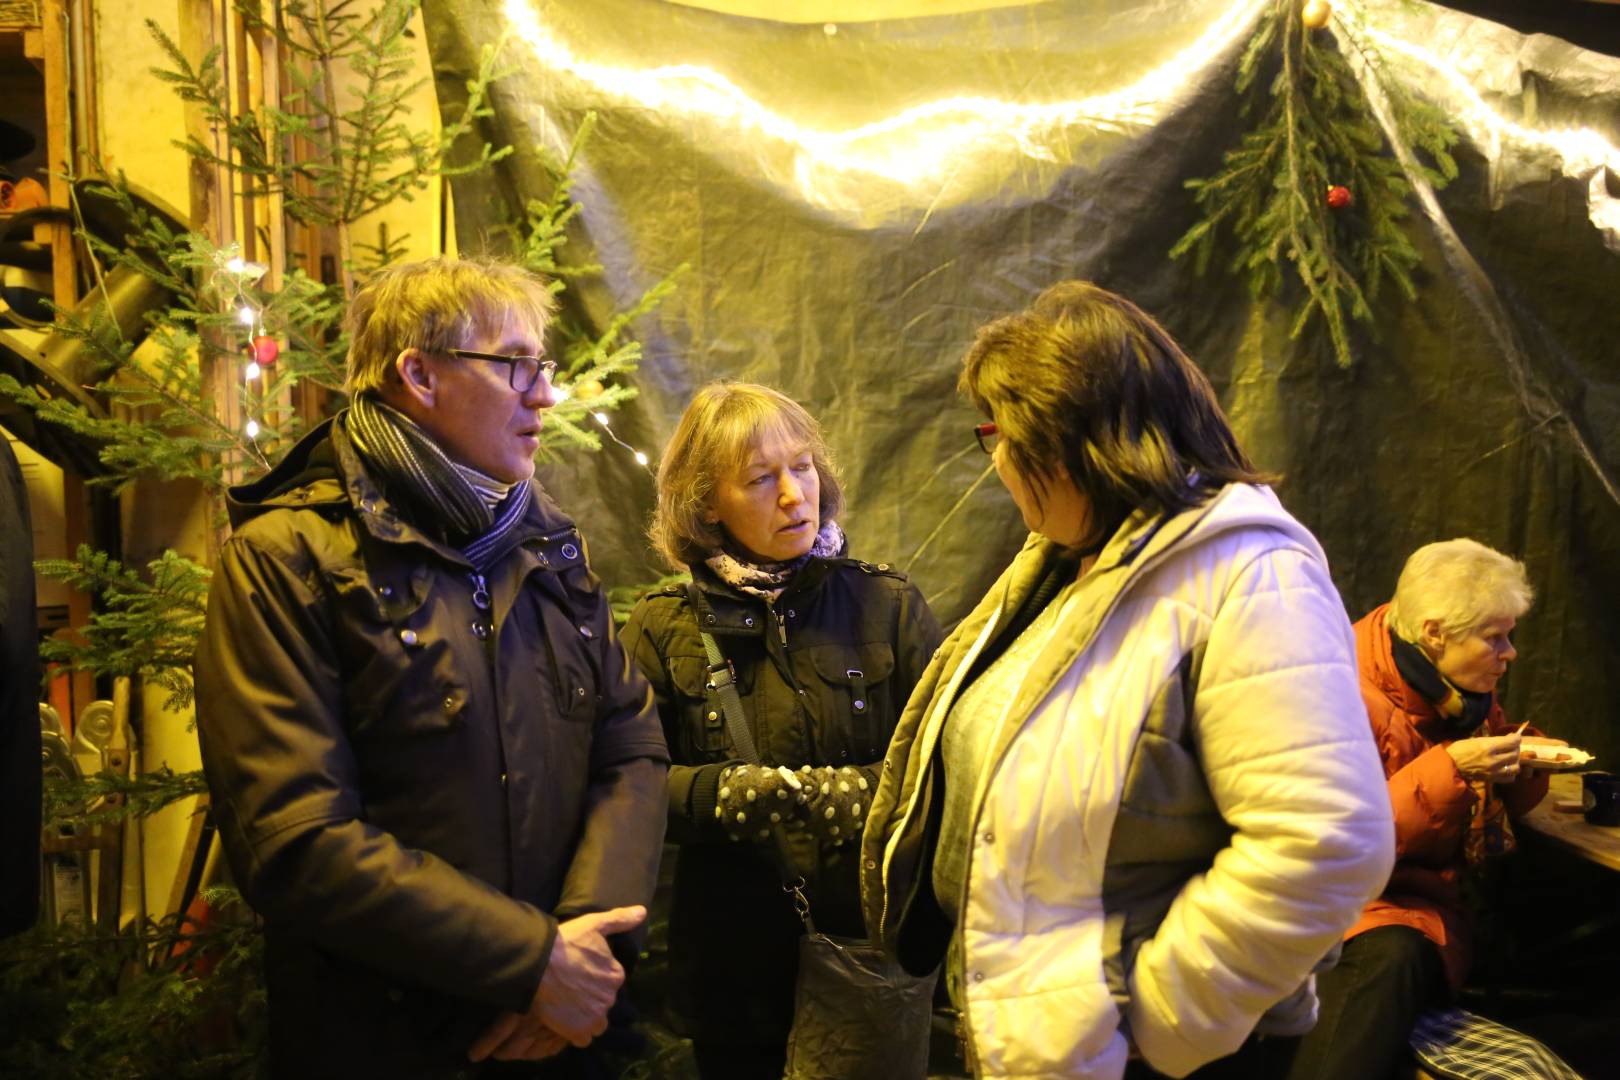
(722,679)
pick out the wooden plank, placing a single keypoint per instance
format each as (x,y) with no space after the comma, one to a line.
(192,853)
(1568,829)
(59,149)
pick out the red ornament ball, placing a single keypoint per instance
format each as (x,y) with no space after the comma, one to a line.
(1339,197)
(265,350)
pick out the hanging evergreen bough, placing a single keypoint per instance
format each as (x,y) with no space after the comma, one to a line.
(1314,182)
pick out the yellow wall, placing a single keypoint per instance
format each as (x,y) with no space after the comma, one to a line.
(139,119)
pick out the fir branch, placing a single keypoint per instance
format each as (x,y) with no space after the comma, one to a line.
(102,798)
(145,626)
(1316,131)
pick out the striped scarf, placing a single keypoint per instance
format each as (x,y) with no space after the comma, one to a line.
(410,464)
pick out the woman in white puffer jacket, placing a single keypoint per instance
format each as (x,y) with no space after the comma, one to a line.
(1134,798)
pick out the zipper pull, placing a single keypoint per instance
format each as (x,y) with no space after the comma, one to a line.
(781,626)
(480,595)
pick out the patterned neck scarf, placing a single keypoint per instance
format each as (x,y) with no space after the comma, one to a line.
(767,580)
(412,467)
(1462,715)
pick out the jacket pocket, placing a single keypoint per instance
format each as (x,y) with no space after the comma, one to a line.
(860,712)
(400,676)
(703,737)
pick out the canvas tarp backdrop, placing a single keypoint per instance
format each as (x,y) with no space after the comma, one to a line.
(853,200)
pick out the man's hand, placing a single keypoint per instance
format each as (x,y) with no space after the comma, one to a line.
(579,986)
(1490,757)
(582,978)
(516,1037)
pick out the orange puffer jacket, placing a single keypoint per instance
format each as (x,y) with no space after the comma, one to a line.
(1433,803)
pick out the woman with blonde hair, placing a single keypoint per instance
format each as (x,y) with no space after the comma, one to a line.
(1430,661)
(821,651)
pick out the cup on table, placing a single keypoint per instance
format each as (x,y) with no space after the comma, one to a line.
(1600,797)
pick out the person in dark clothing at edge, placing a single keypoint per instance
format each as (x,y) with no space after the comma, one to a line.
(826,650)
(435,772)
(19,706)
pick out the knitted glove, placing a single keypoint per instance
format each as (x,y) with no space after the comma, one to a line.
(838,800)
(752,798)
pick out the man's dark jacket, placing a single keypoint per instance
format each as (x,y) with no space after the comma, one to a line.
(19,705)
(411,790)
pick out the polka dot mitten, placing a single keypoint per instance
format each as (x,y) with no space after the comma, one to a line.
(752,798)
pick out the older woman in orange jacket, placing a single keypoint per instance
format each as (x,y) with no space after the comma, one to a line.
(1430,661)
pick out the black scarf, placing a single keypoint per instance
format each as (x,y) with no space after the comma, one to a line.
(414,469)
(1460,711)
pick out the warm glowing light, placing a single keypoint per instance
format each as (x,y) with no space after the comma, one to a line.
(916,144)
(1582,151)
(246,315)
(252,429)
(253,370)
(236,265)
(600,418)
(641,459)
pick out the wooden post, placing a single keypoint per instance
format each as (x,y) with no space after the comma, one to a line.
(48,47)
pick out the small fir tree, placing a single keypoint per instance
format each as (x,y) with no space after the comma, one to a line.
(136,1004)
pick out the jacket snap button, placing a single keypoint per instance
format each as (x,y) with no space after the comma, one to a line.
(792,614)
(449,704)
(503,779)
(587,631)
(989,837)
(710,618)
(480,631)
(859,704)
(978,976)
(579,691)
(408,637)
(749,621)
(883,566)
(871,864)
(713,716)
(386,592)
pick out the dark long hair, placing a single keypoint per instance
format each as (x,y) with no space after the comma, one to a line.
(1086,380)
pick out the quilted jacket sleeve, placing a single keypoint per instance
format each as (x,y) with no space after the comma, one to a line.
(1290,762)
(1432,804)
(285,789)
(691,788)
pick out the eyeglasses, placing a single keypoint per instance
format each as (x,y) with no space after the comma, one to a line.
(987,434)
(522,372)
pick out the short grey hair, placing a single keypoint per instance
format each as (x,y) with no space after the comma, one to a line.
(1462,585)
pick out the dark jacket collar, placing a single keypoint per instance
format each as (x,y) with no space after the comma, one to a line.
(323,470)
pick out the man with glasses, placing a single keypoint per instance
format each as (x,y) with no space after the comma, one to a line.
(435,773)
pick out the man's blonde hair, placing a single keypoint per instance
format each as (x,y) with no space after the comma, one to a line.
(716,433)
(1462,585)
(434,305)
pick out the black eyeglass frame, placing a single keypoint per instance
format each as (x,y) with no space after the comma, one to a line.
(986,431)
(541,364)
